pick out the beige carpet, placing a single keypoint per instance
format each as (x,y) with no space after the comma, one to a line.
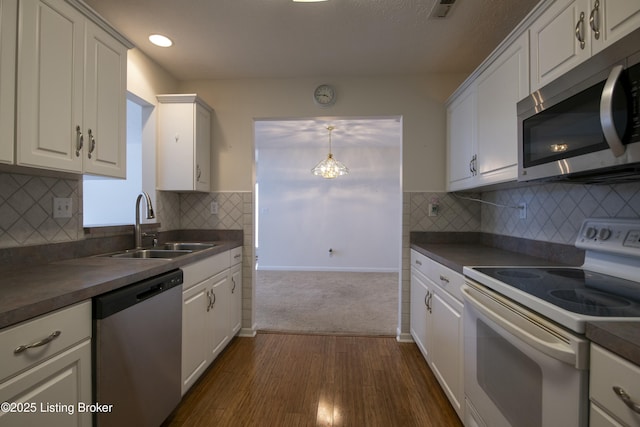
(327,302)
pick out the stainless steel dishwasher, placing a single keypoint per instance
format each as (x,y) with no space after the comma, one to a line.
(137,351)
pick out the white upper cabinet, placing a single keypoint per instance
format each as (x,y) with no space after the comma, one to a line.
(571,31)
(8,31)
(184,143)
(560,40)
(500,87)
(71,95)
(461,135)
(613,19)
(482,121)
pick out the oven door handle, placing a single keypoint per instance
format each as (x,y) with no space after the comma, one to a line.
(521,325)
(606,112)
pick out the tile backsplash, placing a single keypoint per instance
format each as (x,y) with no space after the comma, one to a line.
(26,210)
(555,211)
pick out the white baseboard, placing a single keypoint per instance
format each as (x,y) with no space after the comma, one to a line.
(247,332)
(403,336)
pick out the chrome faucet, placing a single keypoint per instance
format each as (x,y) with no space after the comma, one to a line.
(150,215)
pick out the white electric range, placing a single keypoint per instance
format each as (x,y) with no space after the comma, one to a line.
(524,328)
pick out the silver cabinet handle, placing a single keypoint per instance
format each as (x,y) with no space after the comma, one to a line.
(40,343)
(79,140)
(635,407)
(580,30)
(92,143)
(418,262)
(236,256)
(426,300)
(234,285)
(606,112)
(444,279)
(213,294)
(594,20)
(198,172)
(430,299)
(209,298)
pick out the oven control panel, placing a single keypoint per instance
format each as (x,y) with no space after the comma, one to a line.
(619,236)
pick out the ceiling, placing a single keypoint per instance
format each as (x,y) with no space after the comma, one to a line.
(224,39)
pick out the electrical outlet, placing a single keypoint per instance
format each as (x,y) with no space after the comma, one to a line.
(214,208)
(433,209)
(62,207)
(522,208)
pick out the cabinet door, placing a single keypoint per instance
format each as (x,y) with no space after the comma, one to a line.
(420,293)
(615,19)
(50,85)
(235,306)
(202,178)
(65,380)
(105,104)
(461,135)
(176,151)
(500,88)
(8,31)
(555,48)
(220,312)
(446,346)
(196,326)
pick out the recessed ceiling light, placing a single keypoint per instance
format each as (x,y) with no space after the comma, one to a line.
(160,40)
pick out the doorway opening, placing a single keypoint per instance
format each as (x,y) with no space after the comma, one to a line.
(328,250)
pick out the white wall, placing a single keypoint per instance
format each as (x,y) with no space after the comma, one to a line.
(418,100)
(302,216)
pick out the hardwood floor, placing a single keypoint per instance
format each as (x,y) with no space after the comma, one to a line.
(316,380)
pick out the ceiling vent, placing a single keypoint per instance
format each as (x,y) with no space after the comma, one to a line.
(441,9)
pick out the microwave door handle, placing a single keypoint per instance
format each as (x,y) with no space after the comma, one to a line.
(606,112)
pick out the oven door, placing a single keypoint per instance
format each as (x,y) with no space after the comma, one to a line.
(520,369)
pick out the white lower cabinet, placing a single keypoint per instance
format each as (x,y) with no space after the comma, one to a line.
(436,324)
(48,384)
(211,300)
(610,372)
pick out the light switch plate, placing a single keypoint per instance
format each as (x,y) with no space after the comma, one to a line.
(62,207)
(214,208)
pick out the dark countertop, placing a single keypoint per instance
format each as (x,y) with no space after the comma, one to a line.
(622,338)
(27,292)
(457,255)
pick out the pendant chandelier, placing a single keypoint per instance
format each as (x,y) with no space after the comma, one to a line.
(330,168)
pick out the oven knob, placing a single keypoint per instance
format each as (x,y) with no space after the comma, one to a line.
(590,233)
(604,234)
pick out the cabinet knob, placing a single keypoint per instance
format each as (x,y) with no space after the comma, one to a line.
(580,30)
(40,343)
(594,20)
(635,407)
(79,140)
(92,143)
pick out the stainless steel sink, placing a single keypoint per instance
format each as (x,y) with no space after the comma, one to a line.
(190,246)
(152,253)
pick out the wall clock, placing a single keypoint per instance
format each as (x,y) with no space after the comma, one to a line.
(324,95)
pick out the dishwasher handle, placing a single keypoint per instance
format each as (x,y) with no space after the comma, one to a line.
(110,303)
(151,291)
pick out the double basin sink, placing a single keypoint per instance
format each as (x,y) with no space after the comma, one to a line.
(166,250)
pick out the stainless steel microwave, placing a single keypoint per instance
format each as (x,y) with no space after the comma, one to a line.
(585,125)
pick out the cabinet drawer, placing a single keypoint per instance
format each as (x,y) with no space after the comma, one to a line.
(442,276)
(419,261)
(200,270)
(609,370)
(236,255)
(446,278)
(73,323)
